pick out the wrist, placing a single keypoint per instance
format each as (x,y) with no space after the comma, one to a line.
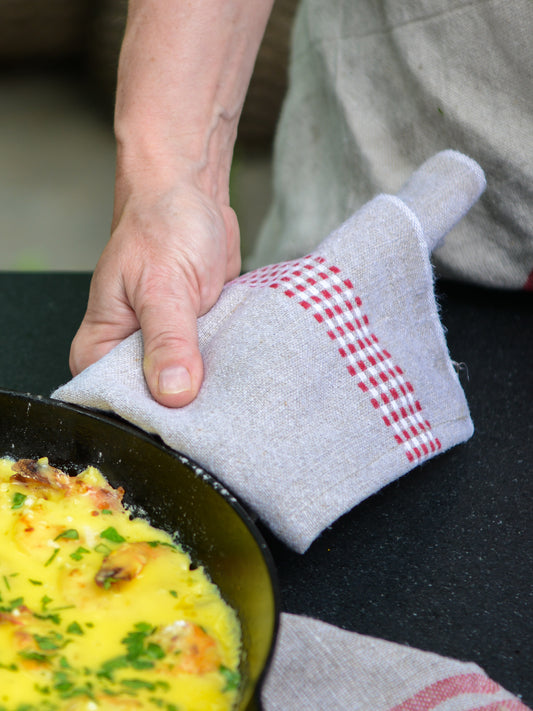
(183,74)
(163,154)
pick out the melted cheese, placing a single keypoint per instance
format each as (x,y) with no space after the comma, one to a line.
(100,611)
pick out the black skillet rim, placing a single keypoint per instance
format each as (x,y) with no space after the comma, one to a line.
(113,420)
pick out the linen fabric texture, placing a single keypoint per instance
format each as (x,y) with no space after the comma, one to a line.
(320,667)
(375,87)
(326,377)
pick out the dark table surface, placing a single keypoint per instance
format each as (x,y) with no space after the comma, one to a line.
(442,559)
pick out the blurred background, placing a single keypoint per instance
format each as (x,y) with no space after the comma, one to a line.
(58,62)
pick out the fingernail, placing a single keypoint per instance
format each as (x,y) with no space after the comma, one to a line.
(174,380)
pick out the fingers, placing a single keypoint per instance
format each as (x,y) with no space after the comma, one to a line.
(233,254)
(90,343)
(168,311)
(172,365)
(108,320)
(164,266)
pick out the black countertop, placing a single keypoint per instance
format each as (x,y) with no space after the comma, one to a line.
(442,559)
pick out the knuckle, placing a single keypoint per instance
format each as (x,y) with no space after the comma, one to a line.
(164,341)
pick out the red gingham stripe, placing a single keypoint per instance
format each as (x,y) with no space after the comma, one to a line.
(321,290)
(459,685)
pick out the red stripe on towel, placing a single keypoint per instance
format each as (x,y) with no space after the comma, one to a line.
(528,284)
(323,292)
(441,691)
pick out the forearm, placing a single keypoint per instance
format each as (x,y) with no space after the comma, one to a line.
(183,73)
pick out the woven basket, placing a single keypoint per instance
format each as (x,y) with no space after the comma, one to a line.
(35,29)
(269,80)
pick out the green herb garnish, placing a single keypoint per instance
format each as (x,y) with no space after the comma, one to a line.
(45,601)
(154,544)
(33,656)
(108,582)
(103,549)
(56,551)
(140,652)
(75,628)
(62,682)
(56,619)
(111,534)
(12,605)
(232,678)
(17,502)
(134,641)
(136,684)
(69,533)
(154,651)
(79,553)
(9,667)
(50,643)
(108,668)
(72,691)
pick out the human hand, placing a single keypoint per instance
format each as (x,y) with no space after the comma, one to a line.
(182,77)
(170,253)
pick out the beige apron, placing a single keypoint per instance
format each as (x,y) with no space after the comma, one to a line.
(376,88)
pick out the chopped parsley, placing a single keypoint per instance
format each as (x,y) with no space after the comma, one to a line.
(52,616)
(9,667)
(62,681)
(17,502)
(232,677)
(33,656)
(51,642)
(141,653)
(69,533)
(103,549)
(56,551)
(12,605)
(111,534)
(75,628)
(79,553)
(108,582)
(154,544)
(136,684)
(45,601)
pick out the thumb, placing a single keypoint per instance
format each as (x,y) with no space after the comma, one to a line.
(173,365)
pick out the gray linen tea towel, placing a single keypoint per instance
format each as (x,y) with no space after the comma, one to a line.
(326,377)
(319,667)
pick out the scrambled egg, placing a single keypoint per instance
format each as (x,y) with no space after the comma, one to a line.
(100,611)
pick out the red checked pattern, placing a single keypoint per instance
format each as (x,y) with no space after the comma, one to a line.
(322,291)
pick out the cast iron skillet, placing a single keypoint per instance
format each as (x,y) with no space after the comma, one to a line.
(175,493)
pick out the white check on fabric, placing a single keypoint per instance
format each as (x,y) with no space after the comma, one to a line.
(326,377)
